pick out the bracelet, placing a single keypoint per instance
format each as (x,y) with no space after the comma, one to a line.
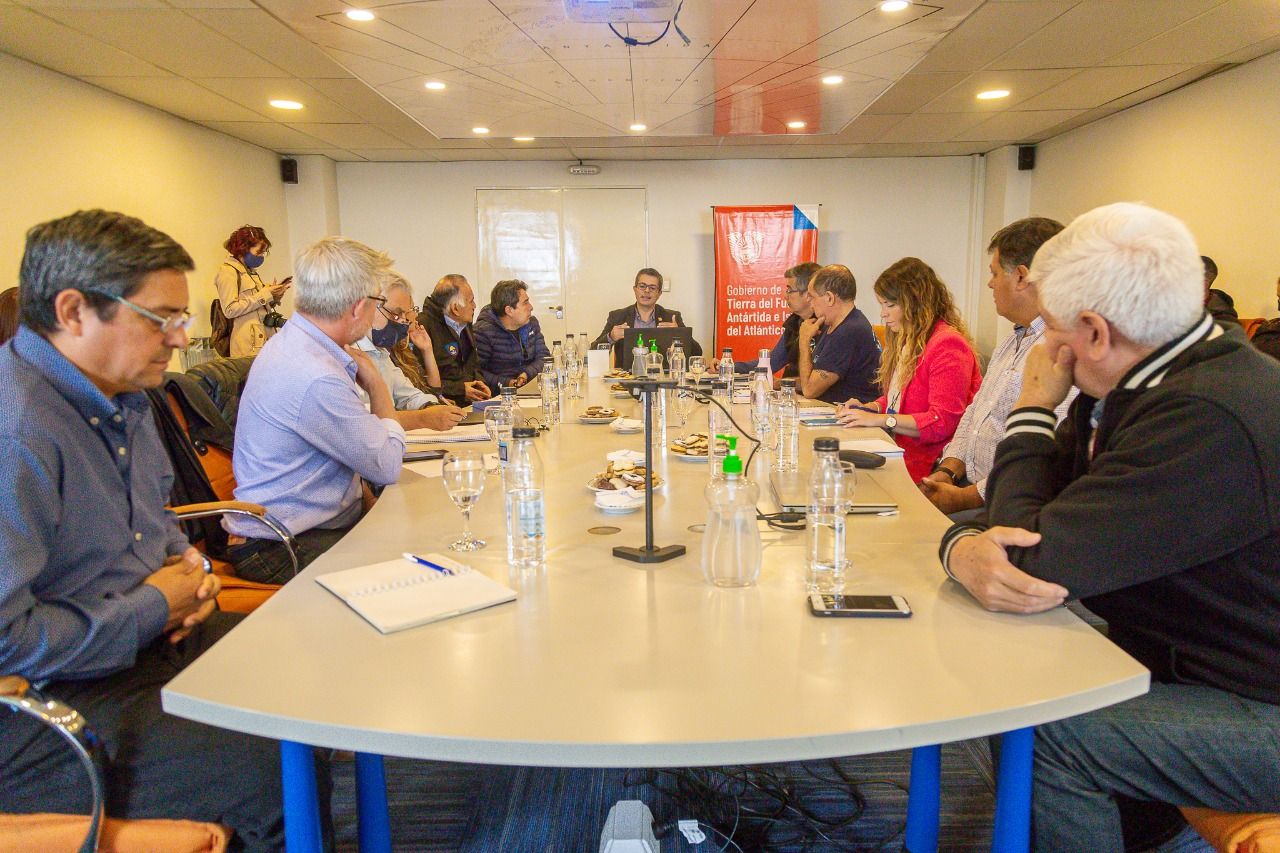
(951,475)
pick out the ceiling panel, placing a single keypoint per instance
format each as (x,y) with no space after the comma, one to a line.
(256,95)
(914,91)
(932,127)
(1022,85)
(350,135)
(181,97)
(51,44)
(268,134)
(1094,86)
(265,36)
(1221,30)
(989,32)
(1021,126)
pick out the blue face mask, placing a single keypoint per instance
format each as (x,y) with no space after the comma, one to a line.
(252,261)
(389,335)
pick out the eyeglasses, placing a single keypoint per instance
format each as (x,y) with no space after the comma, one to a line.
(407,315)
(648,288)
(168,325)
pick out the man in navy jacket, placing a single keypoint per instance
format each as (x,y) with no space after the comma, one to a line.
(508,337)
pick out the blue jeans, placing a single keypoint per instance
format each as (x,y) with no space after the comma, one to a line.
(1179,744)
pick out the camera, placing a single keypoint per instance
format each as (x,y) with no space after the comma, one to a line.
(274,319)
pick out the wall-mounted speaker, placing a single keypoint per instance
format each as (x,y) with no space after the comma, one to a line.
(1026,158)
(289,170)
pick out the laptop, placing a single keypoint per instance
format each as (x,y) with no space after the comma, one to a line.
(791,491)
(532,388)
(664,336)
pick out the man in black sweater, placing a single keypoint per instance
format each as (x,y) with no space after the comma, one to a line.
(447,315)
(1156,502)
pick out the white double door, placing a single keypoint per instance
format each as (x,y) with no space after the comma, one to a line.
(578,250)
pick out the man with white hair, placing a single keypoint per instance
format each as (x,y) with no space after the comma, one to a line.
(447,316)
(1157,502)
(304,435)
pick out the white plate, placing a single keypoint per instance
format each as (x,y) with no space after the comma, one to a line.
(611,510)
(687,457)
(586,420)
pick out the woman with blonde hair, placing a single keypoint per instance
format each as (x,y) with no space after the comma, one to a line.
(928,372)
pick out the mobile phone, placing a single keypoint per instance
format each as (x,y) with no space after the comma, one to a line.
(286,280)
(885,606)
(420,455)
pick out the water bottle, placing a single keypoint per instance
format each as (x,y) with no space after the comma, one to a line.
(571,371)
(725,369)
(676,363)
(717,424)
(765,358)
(658,427)
(550,382)
(787,422)
(499,418)
(731,548)
(526,511)
(825,559)
(509,394)
(761,392)
(638,355)
(557,356)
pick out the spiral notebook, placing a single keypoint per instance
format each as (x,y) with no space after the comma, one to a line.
(398,594)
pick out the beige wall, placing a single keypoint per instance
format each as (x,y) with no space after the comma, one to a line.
(873,213)
(1208,153)
(66,145)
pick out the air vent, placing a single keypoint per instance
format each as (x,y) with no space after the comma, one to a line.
(584,169)
(620,11)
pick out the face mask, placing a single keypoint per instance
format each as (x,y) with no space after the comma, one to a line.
(252,261)
(389,335)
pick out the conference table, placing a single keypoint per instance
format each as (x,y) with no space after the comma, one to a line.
(601,662)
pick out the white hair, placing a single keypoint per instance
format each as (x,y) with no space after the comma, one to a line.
(1136,266)
(335,273)
(396,281)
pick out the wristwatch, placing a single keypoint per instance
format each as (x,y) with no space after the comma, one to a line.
(890,422)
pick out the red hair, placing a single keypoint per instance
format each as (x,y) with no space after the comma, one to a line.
(245,238)
(8,314)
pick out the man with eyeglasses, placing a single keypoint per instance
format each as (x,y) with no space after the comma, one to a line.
(645,313)
(102,599)
(785,355)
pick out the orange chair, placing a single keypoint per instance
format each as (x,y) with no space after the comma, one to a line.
(879,332)
(88,833)
(1251,324)
(1230,832)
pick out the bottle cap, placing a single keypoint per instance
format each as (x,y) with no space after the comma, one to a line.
(555,343)
(653,345)
(826,443)
(788,383)
(732,462)
(524,432)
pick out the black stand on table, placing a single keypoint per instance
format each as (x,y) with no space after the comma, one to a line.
(648,553)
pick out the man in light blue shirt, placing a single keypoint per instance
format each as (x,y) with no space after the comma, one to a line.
(304,436)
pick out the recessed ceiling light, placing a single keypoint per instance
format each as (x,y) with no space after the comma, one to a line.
(637,127)
(796,125)
(522,138)
(894,5)
(434,85)
(480,130)
(360,15)
(833,79)
(993,94)
(286,105)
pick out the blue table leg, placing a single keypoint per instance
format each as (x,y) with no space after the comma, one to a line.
(301,805)
(371,804)
(923,799)
(1012,832)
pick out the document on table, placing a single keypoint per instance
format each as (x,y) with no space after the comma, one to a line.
(435,467)
(887,449)
(472,432)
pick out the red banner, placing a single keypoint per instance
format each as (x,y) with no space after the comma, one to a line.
(754,246)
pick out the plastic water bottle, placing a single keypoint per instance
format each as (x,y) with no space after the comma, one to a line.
(658,429)
(526,510)
(717,424)
(765,360)
(731,548)
(825,559)
(638,354)
(676,362)
(550,382)
(787,422)
(557,356)
(761,390)
(571,373)
(725,369)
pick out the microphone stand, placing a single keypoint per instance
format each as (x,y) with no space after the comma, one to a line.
(649,553)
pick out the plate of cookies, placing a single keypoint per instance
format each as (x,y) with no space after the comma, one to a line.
(598,415)
(620,475)
(691,447)
(619,390)
(615,374)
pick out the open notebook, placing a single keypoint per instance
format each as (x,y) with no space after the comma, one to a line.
(398,594)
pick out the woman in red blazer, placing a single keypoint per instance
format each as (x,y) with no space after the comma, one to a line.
(928,371)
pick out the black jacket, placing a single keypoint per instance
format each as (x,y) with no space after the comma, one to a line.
(1171,529)
(454,370)
(627,316)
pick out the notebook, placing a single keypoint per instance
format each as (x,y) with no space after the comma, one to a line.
(885,448)
(398,594)
(475,432)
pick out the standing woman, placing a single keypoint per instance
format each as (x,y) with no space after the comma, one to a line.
(928,371)
(246,299)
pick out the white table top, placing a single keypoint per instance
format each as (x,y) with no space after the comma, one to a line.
(602,662)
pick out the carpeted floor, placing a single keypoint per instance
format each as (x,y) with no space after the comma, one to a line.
(786,807)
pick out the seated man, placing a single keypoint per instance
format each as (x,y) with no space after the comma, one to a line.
(415,409)
(842,365)
(1157,503)
(102,600)
(508,337)
(959,482)
(785,356)
(396,329)
(645,313)
(447,316)
(1218,303)
(305,436)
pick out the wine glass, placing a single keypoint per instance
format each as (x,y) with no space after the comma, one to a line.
(697,368)
(463,477)
(684,405)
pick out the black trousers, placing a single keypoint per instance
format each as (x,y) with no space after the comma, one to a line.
(267,560)
(156,765)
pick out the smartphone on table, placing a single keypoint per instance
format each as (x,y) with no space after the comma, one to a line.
(882,606)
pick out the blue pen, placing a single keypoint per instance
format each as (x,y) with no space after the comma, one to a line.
(414,558)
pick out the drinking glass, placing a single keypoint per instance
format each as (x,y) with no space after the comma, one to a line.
(697,368)
(464,481)
(684,405)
